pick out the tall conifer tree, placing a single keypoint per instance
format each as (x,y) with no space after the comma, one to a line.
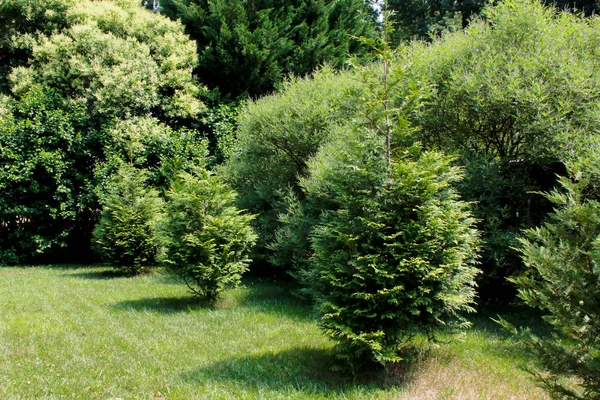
(247,47)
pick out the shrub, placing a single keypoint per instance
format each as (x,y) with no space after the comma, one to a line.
(148,144)
(513,93)
(276,137)
(563,280)
(393,252)
(207,238)
(219,123)
(126,235)
(42,197)
(73,73)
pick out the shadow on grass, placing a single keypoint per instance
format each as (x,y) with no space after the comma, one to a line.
(164,305)
(297,371)
(255,295)
(101,274)
(519,315)
(266,296)
(59,267)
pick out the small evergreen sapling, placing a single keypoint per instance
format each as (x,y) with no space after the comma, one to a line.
(207,238)
(394,252)
(126,236)
(563,257)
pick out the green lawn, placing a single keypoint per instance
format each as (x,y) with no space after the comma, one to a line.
(87,333)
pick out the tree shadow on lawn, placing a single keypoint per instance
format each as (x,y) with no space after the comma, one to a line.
(260,297)
(97,273)
(164,305)
(272,297)
(520,315)
(58,267)
(103,272)
(303,371)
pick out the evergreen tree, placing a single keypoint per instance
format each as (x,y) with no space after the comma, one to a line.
(126,235)
(563,257)
(207,239)
(420,19)
(392,246)
(393,252)
(248,47)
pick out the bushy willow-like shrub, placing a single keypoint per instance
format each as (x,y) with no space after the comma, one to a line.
(393,252)
(276,137)
(563,258)
(207,239)
(514,94)
(126,235)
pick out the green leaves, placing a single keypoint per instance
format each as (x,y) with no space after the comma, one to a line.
(126,235)
(513,94)
(41,189)
(563,257)
(207,239)
(393,251)
(86,83)
(276,137)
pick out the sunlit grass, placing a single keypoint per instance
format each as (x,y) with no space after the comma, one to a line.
(88,333)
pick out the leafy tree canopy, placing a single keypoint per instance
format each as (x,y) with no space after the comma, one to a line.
(71,73)
(118,59)
(423,19)
(516,95)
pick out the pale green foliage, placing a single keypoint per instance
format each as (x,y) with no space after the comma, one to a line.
(277,135)
(5,109)
(207,238)
(120,59)
(394,251)
(563,257)
(512,85)
(146,143)
(515,94)
(77,72)
(126,235)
